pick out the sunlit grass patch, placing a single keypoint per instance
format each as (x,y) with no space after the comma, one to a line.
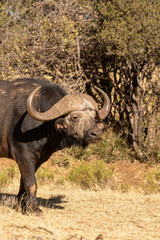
(44,175)
(81,153)
(112,147)
(89,175)
(151,182)
(63,162)
(6,175)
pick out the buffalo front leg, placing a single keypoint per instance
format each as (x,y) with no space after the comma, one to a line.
(21,198)
(28,188)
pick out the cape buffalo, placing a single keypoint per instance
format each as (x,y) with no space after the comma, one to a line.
(38,118)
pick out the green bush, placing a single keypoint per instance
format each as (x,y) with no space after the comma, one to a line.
(152,182)
(112,147)
(87,175)
(82,154)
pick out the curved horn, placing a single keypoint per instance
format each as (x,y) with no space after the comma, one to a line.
(69,103)
(103,113)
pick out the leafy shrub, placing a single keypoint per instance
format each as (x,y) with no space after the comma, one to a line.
(81,153)
(152,182)
(112,147)
(88,175)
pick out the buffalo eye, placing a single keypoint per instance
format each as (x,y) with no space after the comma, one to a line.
(75,118)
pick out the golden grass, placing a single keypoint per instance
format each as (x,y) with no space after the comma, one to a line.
(72,213)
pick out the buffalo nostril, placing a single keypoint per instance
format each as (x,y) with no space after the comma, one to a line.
(93,134)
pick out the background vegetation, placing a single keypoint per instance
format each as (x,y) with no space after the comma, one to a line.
(113,44)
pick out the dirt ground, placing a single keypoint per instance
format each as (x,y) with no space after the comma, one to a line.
(71,213)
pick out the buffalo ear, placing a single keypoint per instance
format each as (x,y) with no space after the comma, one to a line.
(60,125)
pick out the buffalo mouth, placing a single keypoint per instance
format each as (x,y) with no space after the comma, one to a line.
(93,140)
(85,142)
(94,134)
(89,139)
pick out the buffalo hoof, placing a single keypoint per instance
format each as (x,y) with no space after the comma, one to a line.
(29,210)
(17,207)
(35,211)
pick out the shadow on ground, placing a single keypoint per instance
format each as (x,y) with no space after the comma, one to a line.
(53,202)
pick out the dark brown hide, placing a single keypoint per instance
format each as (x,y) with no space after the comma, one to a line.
(31,142)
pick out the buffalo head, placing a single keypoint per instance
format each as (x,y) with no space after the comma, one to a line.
(75,115)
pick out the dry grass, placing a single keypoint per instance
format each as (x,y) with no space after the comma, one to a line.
(72,213)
